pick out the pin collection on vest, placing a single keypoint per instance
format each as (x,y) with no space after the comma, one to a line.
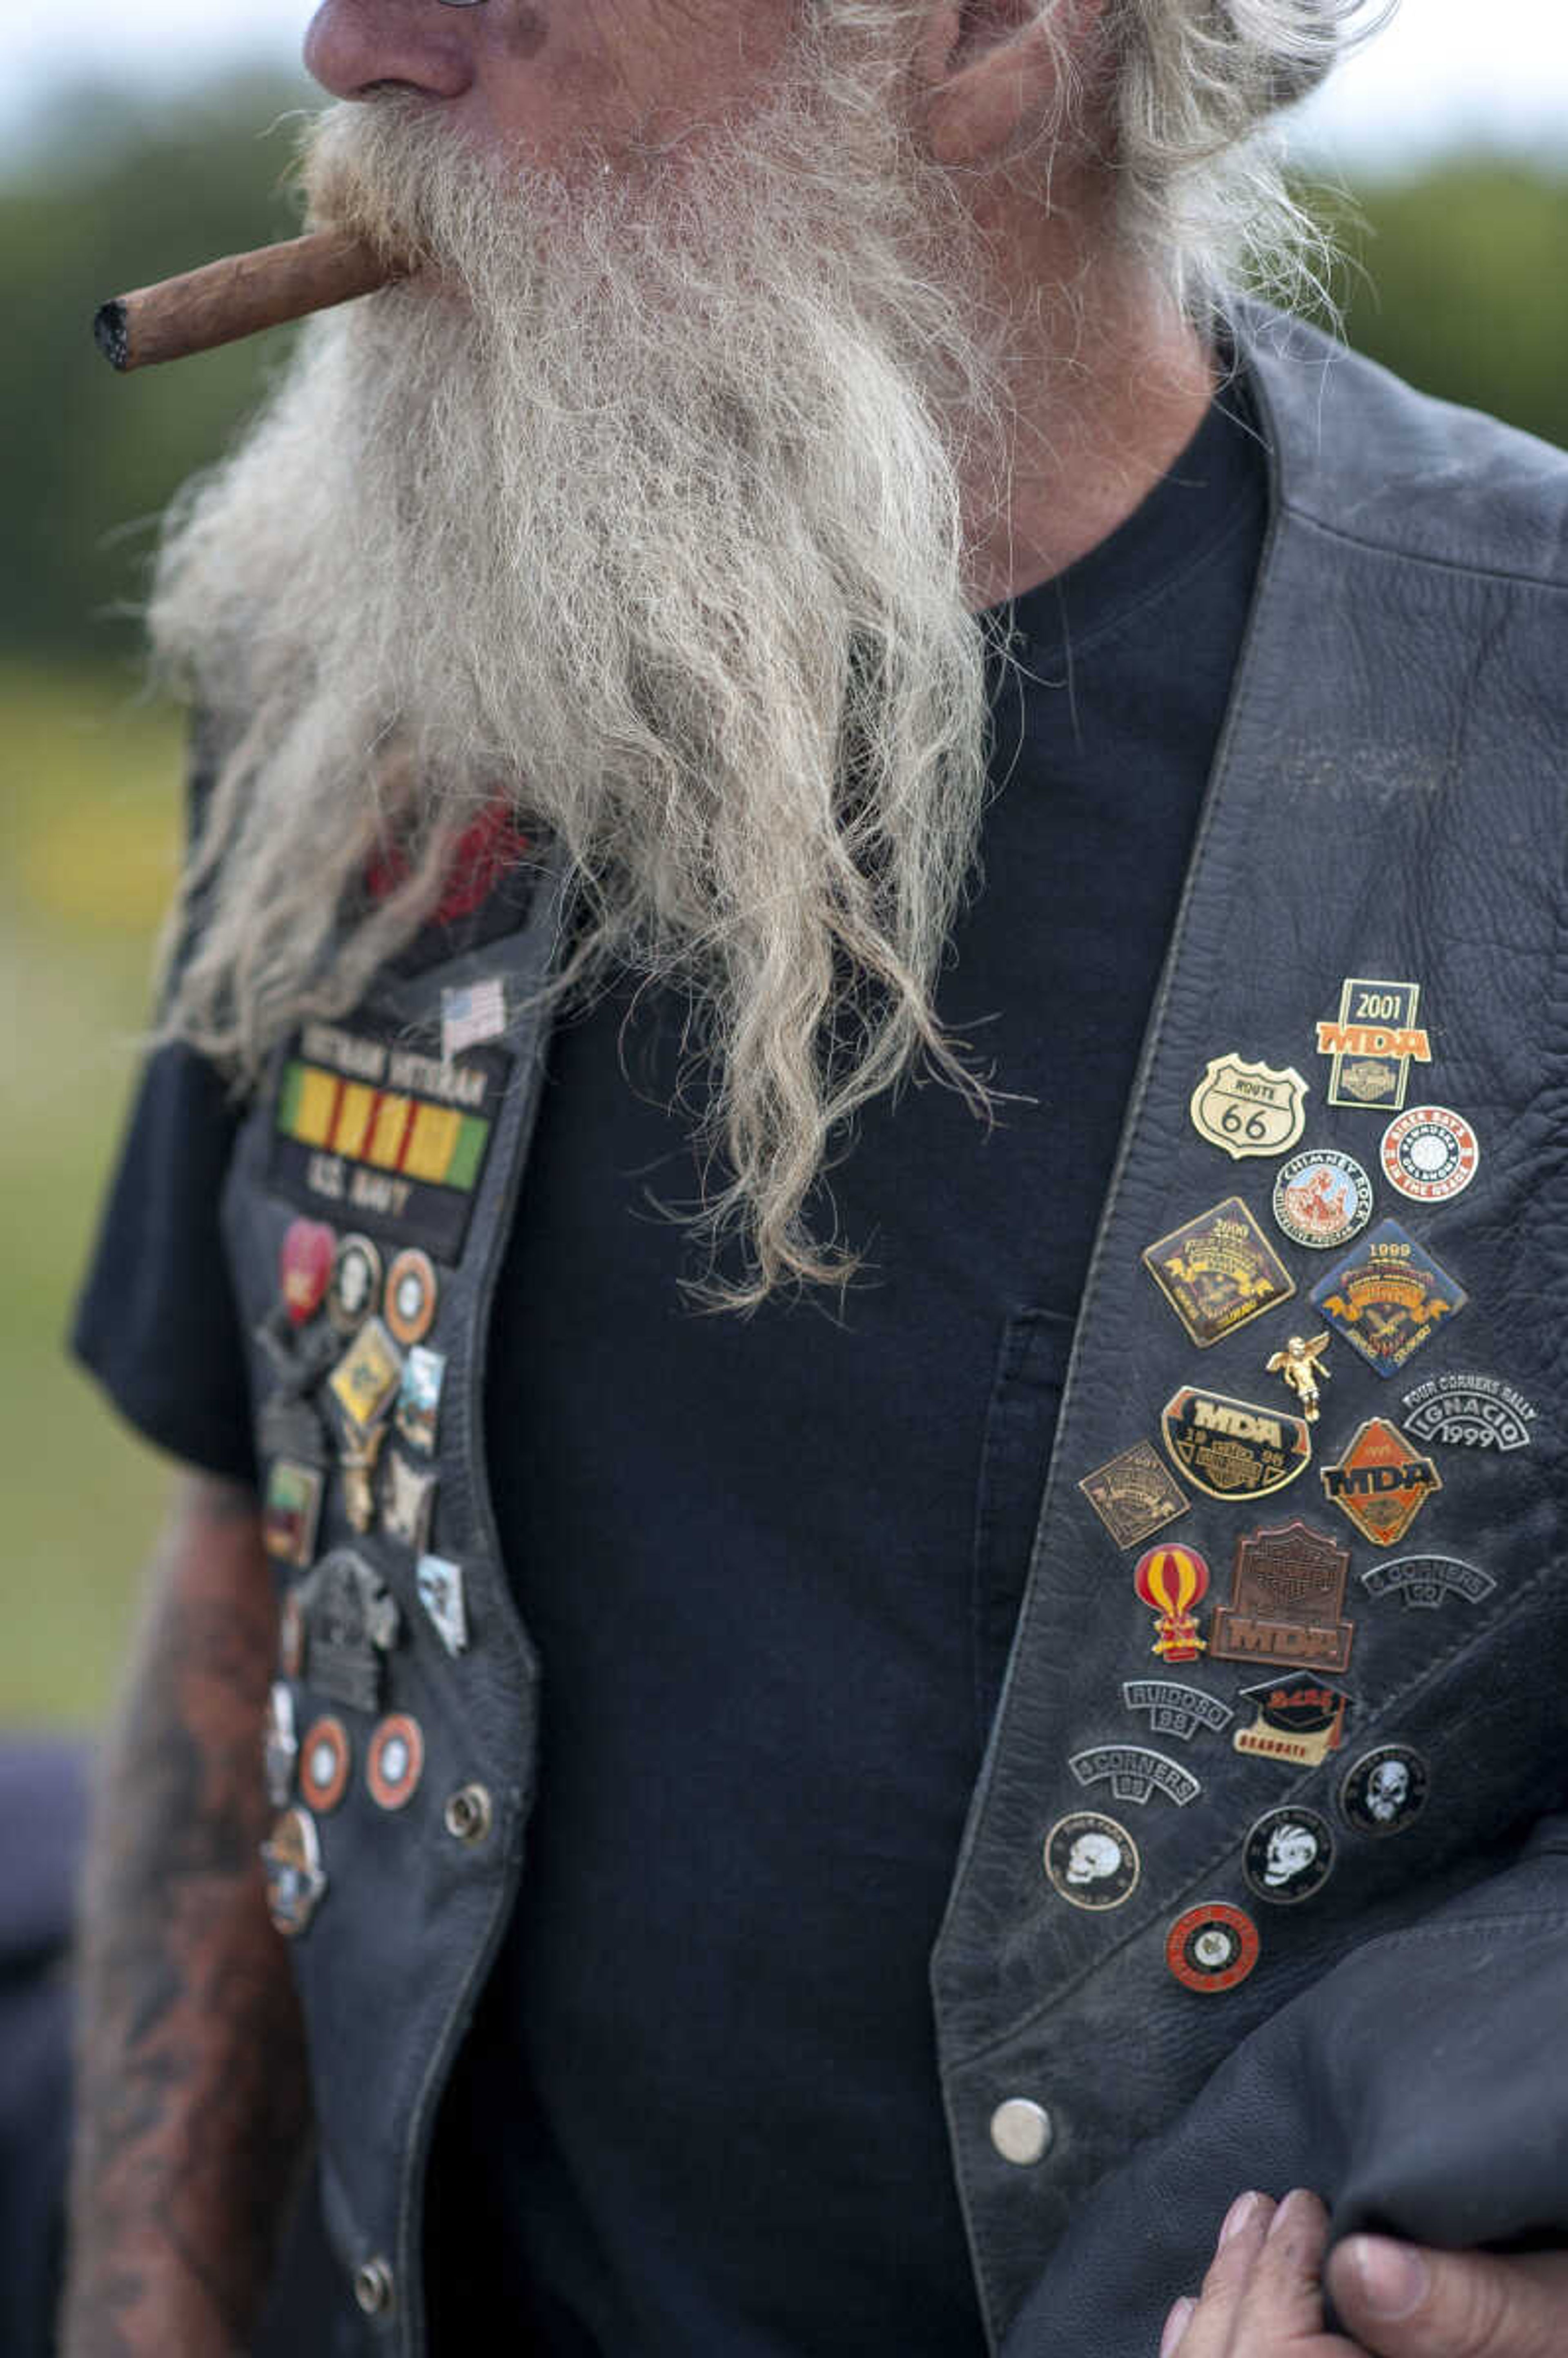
(1387,1298)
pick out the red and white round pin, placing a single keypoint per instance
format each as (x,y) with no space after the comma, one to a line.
(1213,1947)
(324,1762)
(397,1761)
(1429,1153)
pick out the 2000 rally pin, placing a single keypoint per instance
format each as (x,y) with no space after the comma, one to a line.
(1218,1271)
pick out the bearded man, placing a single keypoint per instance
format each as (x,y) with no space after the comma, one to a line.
(800,734)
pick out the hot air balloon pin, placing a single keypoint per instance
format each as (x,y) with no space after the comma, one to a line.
(1171,1580)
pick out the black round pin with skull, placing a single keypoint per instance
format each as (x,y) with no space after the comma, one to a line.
(1091,1860)
(1289,1857)
(1386,1791)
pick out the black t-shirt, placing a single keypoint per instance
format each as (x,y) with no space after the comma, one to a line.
(772,1565)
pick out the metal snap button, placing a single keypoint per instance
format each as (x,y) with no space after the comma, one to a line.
(470,1814)
(1020,2131)
(372,2288)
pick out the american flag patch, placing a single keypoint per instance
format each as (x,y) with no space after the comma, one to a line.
(471,1016)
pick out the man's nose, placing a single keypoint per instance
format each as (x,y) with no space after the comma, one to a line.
(353,46)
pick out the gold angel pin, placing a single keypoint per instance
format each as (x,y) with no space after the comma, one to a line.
(1299,1365)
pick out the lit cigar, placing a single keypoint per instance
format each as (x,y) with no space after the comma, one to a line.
(238,297)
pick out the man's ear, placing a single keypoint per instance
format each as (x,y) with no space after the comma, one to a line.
(990,71)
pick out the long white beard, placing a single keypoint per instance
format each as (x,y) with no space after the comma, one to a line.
(649,523)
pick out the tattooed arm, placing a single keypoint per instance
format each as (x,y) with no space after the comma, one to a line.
(191,2092)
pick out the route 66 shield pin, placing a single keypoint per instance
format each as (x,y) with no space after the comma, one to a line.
(1245,1109)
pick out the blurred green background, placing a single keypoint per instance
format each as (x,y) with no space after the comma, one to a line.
(1454,276)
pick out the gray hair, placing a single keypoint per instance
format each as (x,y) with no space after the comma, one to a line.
(1185,95)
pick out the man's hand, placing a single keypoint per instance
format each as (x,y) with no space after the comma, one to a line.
(1263,2295)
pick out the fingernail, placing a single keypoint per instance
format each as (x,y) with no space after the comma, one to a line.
(1175,2326)
(1236,2218)
(1392,2278)
(1287,2212)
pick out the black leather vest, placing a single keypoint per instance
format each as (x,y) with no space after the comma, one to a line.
(1385,813)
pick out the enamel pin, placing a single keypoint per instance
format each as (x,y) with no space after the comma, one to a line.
(1212,1947)
(291,1510)
(1218,1271)
(1299,1367)
(1382,1483)
(305,1266)
(1468,1412)
(280,1746)
(296,1885)
(408,1499)
(441,1587)
(1289,1857)
(397,1761)
(1388,1297)
(413,1292)
(1174,1709)
(1171,1580)
(1091,1860)
(324,1764)
(1230,1448)
(1133,1495)
(418,1408)
(470,1015)
(1133,1772)
(1373,1043)
(1286,1602)
(365,1381)
(1322,1199)
(1427,1582)
(1430,1154)
(1299,1720)
(356,1282)
(1386,1791)
(352,1624)
(1249,1108)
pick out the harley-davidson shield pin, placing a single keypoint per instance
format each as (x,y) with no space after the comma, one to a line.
(1387,1297)
(1245,1109)
(1218,1271)
(1286,1601)
(1382,1483)
(1230,1448)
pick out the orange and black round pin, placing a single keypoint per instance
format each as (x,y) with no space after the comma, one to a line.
(413,1291)
(397,1761)
(325,1760)
(1213,1947)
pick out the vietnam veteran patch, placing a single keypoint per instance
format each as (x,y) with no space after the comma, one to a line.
(376,1128)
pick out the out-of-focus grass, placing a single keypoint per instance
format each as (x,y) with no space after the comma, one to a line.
(90,798)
